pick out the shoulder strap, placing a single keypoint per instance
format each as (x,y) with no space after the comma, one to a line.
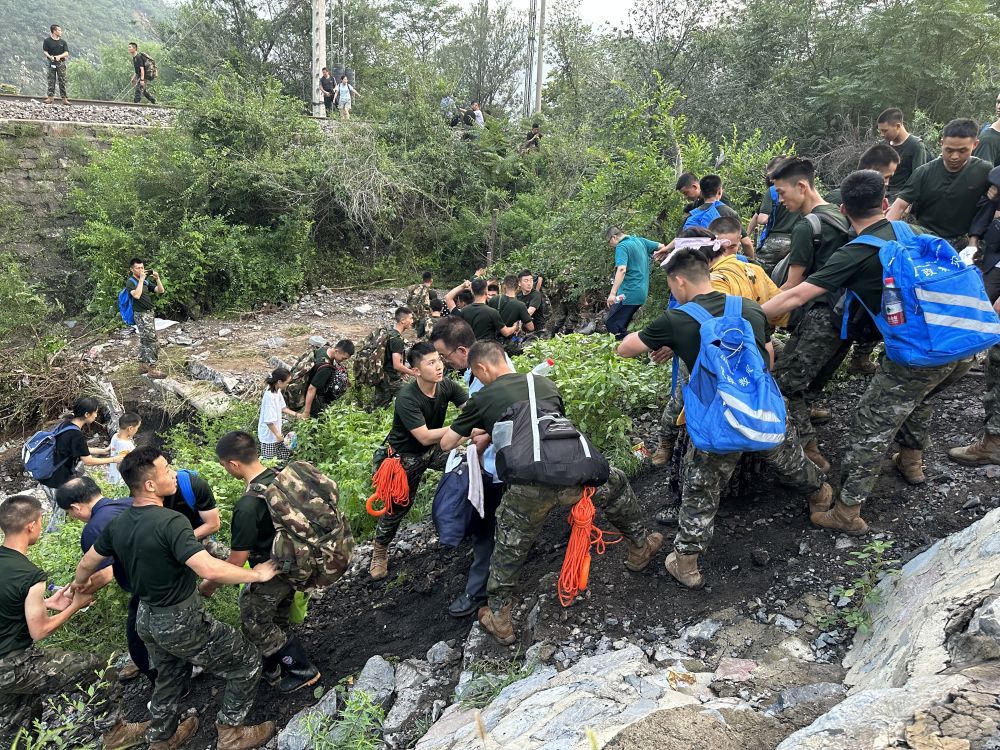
(734,306)
(870,240)
(696,311)
(536,443)
(817,229)
(184,485)
(902,230)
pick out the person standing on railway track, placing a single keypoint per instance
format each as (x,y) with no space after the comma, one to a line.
(140,62)
(56,51)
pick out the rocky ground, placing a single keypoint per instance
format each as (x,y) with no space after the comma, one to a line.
(755,637)
(96,114)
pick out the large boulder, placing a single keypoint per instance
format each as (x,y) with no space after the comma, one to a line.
(926,674)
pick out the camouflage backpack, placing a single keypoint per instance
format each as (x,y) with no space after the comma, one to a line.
(369,364)
(302,372)
(418,299)
(313,540)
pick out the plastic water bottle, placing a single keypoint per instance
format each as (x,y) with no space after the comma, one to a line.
(544,367)
(620,298)
(892,303)
(291,441)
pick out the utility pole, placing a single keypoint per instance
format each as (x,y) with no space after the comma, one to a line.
(319,55)
(529,63)
(541,56)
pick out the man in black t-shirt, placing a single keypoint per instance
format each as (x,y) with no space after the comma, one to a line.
(139,62)
(56,52)
(911,150)
(327,85)
(899,402)
(485,320)
(394,369)
(417,424)
(705,473)
(142,285)
(164,561)
(264,607)
(531,295)
(329,380)
(27,671)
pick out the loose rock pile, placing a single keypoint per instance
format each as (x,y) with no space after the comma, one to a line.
(96,114)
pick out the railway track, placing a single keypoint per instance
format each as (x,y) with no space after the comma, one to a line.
(87,102)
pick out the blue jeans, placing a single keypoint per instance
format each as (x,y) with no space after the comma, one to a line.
(619,316)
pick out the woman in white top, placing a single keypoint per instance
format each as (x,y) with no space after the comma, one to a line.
(272,407)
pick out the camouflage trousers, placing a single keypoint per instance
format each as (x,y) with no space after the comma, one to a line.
(775,247)
(264,610)
(28,675)
(669,429)
(813,345)
(857,350)
(706,474)
(414,465)
(57,73)
(186,634)
(565,318)
(991,398)
(386,391)
(145,323)
(522,513)
(898,405)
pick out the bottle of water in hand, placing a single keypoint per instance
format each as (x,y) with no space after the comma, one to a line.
(544,367)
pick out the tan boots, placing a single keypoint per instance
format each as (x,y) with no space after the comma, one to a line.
(185,731)
(379,568)
(982,452)
(811,449)
(909,463)
(685,569)
(840,517)
(244,737)
(661,457)
(640,557)
(124,735)
(821,500)
(498,624)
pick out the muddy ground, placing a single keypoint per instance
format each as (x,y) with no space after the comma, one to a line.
(764,553)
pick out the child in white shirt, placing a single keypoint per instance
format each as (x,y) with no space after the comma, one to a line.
(122,443)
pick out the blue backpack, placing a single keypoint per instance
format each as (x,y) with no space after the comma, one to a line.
(775,200)
(948,315)
(452,512)
(125,306)
(184,485)
(39,452)
(731,402)
(703,215)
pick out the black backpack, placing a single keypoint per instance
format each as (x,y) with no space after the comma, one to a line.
(537,444)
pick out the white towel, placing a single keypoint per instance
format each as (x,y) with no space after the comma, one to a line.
(475,481)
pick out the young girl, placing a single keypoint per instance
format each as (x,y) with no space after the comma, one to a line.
(272,407)
(122,443)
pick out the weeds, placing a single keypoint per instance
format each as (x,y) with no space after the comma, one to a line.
(491,677)
(862,591)
(75,715)
(357,728)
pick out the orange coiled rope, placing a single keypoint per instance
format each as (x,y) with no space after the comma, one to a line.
(582,536)
(391,487)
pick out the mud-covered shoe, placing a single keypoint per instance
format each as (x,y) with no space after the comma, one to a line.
(244,737)
(821,500)
(661,456)
(685,569)
(185,731)
(811,449)
(498,624)
(379,568)
(840,517)
(129,672)
(820,415)
(124,735)
(640,557)
(909,463)
(983,452)
(861,366)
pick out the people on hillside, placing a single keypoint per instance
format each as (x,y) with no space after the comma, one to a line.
(345,95)
(122,442)
(418,299)
(989,140)
(530,293)
(911,150)
(273,409)
(533,140)
(485,320)
(328,86)
(630,286)
(777,222)
(140,65)
(477,115)
(163,560)
(143,285)
(328,378)
(943,194)
(394,368)
(56,53)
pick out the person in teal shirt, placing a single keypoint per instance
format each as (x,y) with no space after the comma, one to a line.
(631,285)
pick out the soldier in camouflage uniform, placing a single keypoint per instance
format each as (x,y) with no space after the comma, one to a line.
(164,560)
(418,299)
(27,671)
(705,474)
(898,404)
(524,507)
(264,607)
(138,284)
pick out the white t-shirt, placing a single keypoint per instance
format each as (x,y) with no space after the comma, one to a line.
(118,445)
(271,406)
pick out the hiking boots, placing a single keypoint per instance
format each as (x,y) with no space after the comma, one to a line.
(129,672)
(48,100)
(861,366)
(840,517)
(151,372)
(185,731)
(821,500)
(685,569)
(983,452)
(640,557)
(464,605)
(125,734)
(498,624)
(663,452)
(244,737)
(909,464)
(379,568)
(296,669)
(820,415)
(811,449)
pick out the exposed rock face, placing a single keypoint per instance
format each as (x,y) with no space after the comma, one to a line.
(927,675)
